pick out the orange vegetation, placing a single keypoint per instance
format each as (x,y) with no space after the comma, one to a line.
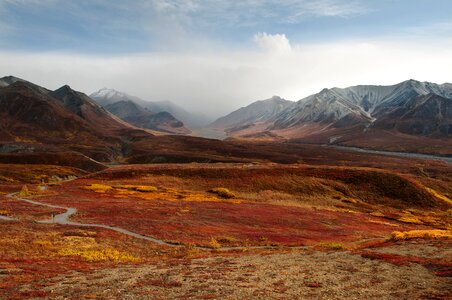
(418,234)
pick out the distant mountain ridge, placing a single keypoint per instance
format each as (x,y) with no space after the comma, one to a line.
(106,96)
(133,113)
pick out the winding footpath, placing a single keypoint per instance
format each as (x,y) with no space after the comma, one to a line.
(4,218)
(63,219)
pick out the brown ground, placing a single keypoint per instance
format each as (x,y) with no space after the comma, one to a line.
(301,274)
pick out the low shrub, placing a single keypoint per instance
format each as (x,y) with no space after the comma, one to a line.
(98,188)
(146,188)
(226,240)
(331,245)
(214,244)
(222,192)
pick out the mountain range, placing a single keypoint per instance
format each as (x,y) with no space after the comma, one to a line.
(409,116)
(67,127)
(106,97)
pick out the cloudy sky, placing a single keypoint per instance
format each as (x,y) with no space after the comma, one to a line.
(217,55)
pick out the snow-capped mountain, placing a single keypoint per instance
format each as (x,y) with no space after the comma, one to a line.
(106,96)
(364,104)
(410,115)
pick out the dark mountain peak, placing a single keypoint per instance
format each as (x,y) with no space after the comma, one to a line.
(64,90)
(10,80)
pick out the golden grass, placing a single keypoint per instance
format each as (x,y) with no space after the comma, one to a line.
(43,244)
(411,219)
(139,188)
(438,195)
(4,212)
(90,255)
(81,233)
(377,214)
(330,245)
(420,234)
(214,243)
(98,188)
(147,192)
(24,192)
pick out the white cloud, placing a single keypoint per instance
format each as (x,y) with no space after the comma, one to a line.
(272,42)
(218,82)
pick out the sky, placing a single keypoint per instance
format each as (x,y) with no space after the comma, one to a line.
(214,56)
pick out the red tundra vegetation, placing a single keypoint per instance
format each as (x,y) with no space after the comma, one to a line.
(158,229)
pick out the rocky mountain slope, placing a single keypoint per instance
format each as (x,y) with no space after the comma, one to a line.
(257,112)
(364,104)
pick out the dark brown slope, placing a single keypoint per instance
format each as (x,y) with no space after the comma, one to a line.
(88,110)
(35,121)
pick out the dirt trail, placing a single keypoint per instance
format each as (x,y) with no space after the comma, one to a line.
(4,218)
(63,219)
